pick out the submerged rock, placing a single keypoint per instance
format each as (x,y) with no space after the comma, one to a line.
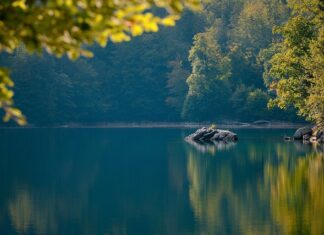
(306,137)
(212,134)
(287,138)
(261,122)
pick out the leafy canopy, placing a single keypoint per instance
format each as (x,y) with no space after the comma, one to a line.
(296,68)
(65,26)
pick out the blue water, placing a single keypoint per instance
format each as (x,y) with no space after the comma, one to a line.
(150,181)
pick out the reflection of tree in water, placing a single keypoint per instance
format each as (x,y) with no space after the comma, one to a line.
(257,191)
(37,199)
(220,205)
(43,211)
(25,213)
(20,212)
(297,194)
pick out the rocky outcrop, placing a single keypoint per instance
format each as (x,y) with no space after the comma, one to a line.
(301,132)
(320,136)
(309,134)
(223,135)
(212,134)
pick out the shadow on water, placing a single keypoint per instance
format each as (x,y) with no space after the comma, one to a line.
(149,181)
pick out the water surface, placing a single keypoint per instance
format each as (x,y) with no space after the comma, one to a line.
(149,181)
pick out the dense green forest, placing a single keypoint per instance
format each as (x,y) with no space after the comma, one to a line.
(214,65)
(122,82)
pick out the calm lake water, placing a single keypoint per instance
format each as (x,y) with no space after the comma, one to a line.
(149,181)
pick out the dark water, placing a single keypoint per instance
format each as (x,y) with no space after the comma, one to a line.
(149,181)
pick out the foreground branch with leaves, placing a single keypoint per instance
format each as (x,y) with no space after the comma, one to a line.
(66,26)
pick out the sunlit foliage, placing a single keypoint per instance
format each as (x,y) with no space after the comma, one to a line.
(65,27)
(295,70)
(208,81)
(240,30)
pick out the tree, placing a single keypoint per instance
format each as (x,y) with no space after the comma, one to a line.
(252,31)
(44,90)
(315,101)
(295,70)
(65,27)
(241,30)
(208,81)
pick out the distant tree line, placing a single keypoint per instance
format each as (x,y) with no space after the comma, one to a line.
(219,64)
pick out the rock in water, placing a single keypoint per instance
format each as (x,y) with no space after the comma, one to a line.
(224,135)
(306,137)
(287,138)
(310,135)
(303,131)
(208,135)
(212,134)
(198,134)
(319,134)
(313,139)
(321,140)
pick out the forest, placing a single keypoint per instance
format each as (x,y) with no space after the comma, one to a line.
(234,60)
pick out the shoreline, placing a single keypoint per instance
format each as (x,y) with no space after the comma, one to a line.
(180,125)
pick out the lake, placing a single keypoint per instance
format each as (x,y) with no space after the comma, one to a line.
(150,181)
